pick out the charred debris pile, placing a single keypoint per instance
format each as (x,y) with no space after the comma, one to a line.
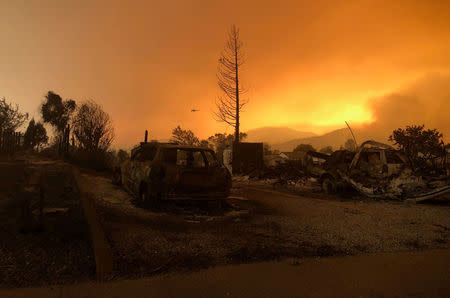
(374,169)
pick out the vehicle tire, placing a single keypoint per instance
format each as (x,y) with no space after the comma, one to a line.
(117,177)
(143,195)
(328,185)
(153,200)
(147,198)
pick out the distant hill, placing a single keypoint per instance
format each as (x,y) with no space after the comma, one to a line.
(275,135)
(335,138)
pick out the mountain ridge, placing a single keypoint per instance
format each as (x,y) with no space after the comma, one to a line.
(335,138)
(276,134)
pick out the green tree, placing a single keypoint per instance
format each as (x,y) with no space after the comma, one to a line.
(93,127)
(56,111)
(350,145)
(223,140)
(35,135)
(205,143)
(10,116)
(184,137)
(304,148)
(326,150)
(220,141)
(421,146)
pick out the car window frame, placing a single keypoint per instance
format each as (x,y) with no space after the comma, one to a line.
(189,151)
(213,155)
(205,160)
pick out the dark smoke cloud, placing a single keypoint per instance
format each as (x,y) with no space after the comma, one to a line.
(427,101)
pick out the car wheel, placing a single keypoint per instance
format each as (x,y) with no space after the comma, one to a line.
(143,195)
(143,198)
(147,198)
(154,200)
(328,185)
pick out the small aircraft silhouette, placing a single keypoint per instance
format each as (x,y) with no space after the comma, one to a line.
(194,110)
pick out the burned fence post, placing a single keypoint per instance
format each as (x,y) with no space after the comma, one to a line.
(67,139)
(17,141)
(59,145)
(2,140)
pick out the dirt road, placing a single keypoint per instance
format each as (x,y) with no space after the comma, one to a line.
(362,225)
(259,224)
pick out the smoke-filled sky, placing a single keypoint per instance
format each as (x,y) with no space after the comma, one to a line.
(311,65)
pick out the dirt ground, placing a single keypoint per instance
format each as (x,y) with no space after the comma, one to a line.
(258,223)
(55,253)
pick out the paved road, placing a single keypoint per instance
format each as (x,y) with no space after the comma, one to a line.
(407,274)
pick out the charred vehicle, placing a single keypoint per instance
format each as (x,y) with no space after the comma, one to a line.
(158,171)
(326,168)
(376,170)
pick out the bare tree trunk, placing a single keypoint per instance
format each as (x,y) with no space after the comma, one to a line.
(236,133)
(229,104)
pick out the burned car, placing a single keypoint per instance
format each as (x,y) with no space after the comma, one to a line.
(375,170)
(158,171)
(372,163)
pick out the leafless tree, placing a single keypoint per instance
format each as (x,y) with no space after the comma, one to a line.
(229,104)
(10,116)
(92,127)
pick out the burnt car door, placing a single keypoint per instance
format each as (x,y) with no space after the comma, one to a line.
(369,164)
(141,166)
(131,182)
(127,171)
(395,162)
(218,174)
(186,170)
(193,171)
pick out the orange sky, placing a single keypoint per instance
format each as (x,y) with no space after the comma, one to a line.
(311,65)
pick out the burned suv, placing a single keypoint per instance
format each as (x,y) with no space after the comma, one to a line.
(164,170)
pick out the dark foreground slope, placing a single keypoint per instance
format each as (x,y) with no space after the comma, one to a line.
(55,252)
